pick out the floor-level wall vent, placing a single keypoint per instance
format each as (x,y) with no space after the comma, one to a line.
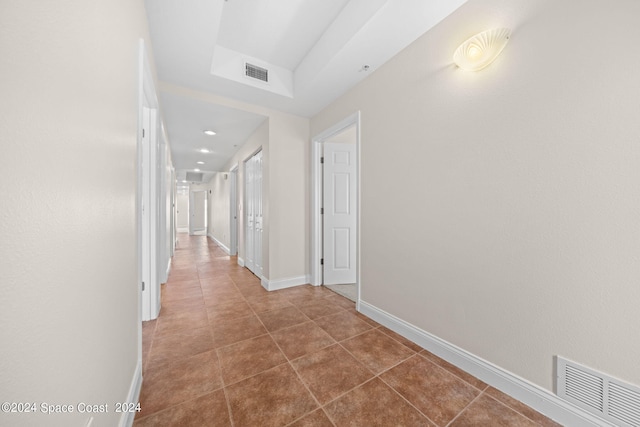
(256,72)
(598,393)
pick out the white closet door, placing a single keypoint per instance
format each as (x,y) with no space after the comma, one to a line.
(254,214)
(339,219)
(257,195)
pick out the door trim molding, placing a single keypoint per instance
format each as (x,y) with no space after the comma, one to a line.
(315,276)
(233,210)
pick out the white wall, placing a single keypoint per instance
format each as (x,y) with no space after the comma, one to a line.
(501,209)
(68,126)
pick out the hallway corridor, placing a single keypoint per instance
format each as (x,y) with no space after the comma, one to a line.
(225,352)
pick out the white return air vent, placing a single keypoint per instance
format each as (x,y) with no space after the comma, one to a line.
(256,72)
(600,394)
(194,176)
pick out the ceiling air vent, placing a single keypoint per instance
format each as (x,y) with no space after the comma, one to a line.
(598,393)
(194,176)
(256,72)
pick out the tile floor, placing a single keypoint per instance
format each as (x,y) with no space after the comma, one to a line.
(225,352)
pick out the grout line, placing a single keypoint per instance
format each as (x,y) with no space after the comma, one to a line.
(465,408)
(405,399)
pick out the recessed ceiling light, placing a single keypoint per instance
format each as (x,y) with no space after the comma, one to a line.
(209,132)
(204,150)
(196,170)
(200,163)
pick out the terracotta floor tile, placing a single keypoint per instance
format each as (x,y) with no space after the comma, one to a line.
(182,344)
(247,358)
(330,372)
(179,381)
(282,318)
(222,282)
(341,301)
(402,340)
(180,306)
(302,339)
(183,283)
(315,309)
(315,419)
(208,410)
(374,404)
(180,321)
(273,398)
(148,330)
(249,291)
(364,318)
(184,270)
(268,302)
(226,311)
(377,351)
(232,331)
(342,325)
(488,412)
(521,408)
(437,393)
(211,299)
(464,376)
(299,293)
(172,294)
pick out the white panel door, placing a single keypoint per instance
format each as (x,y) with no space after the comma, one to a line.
(339,219)
(197,212)
(254,214)
(249,221)
(257,196)
(182,211)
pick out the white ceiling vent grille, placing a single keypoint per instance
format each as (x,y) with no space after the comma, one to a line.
(194,176)
(256,72)
(600,394)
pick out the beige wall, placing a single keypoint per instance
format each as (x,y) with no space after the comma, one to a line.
(219,209)
(68,125)
(501,209)
(288,196)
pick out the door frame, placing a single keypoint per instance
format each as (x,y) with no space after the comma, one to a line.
(316,199)
(149,293)
(233,211)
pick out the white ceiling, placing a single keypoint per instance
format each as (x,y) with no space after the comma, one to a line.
(315,50)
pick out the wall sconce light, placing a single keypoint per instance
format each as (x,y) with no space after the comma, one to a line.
(481,49)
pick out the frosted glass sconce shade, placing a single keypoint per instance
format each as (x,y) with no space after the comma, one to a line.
(481,49)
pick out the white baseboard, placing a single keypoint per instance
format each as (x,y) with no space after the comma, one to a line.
(274,285)
(520,389)
(241,261)
(219,243)
(182,230)
(126,419)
